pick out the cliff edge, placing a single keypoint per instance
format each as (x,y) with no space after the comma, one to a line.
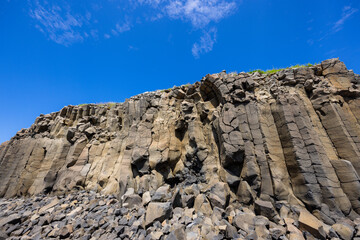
(283,144)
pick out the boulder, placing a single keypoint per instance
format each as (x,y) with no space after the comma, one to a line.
(202,205)
(48,206)
(177,234)
(244,193)
(162,194)
(245,221)
(90,131)
(219,195)
(344,230)
(65,232)
(308,222)
(265,208)
(132,201)
(146,198)
(12,219)
(276,231)
(157,211)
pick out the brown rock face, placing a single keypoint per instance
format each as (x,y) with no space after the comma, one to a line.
(289,138)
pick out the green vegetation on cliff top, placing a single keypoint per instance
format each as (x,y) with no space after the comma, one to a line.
(275,70)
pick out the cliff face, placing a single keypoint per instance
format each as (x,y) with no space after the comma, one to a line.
(292,137)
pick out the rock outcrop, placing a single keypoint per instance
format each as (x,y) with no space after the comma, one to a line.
(285,147)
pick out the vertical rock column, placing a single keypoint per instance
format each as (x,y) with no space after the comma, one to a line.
(14,161)
(311,164)
(275,155)
(341,132)
(303,179)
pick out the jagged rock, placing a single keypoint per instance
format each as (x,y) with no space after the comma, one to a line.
(65,231)
(202,205)
(245,221)
(265,208)
(188,195)
(244,192)
(262,232)
(162,194)
(90,131)
(276,231)
(308,222)
(146,198)
(345,231)
(177,234)
(132,200)
(48,206)
(231,232)
(13,218)
(219,195)
(157,211)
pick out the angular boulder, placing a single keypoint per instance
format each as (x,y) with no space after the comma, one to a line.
(157,211)
(308,222)
(344,230)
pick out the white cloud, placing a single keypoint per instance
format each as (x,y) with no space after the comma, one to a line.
(59,24)
(94,33)
(200,12)
(153,3)
(120,28)
(346,13)
(205,44)
(62,26)
(126,26)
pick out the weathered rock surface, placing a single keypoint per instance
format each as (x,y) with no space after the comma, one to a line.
(203,161)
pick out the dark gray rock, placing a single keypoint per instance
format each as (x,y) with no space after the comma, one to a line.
(177,234)
(162,194)
(12,219)
(265,208)
(132,201)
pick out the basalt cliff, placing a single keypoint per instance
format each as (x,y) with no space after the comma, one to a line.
(247,156)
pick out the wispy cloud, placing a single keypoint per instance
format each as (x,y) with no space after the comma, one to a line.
(153,3)
(57,23)
(124,27)
(335,27)
(199,12)
(94,33)
(121,27)
(132,48)
(205,44)
(347,12)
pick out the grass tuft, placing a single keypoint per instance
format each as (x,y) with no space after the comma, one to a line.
(275,70)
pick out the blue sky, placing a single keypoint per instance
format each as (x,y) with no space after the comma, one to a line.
(57,53)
